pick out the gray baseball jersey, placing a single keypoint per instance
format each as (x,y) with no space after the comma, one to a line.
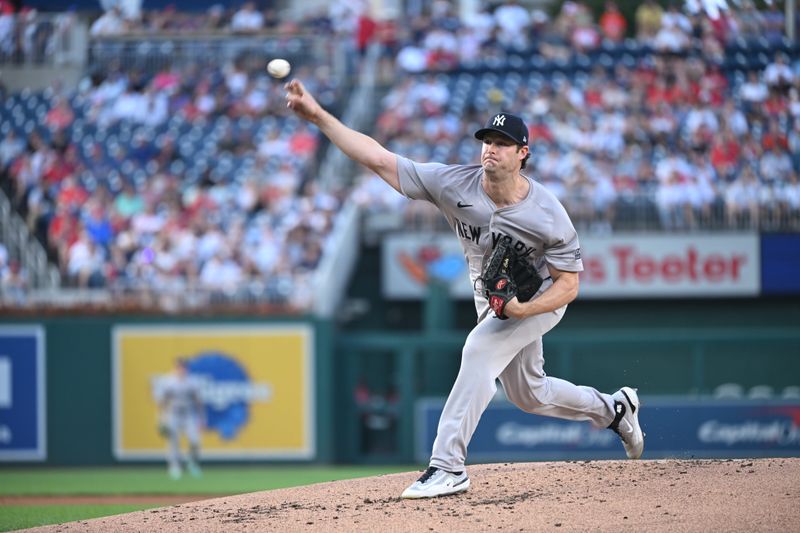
(508,350)
(538,227)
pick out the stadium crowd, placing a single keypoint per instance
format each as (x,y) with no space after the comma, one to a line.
(193,177)
(681,131)
(187,179)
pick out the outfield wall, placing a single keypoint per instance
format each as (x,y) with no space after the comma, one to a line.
(269,385)
(89,402)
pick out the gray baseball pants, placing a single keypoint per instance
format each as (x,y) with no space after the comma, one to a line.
(510,350)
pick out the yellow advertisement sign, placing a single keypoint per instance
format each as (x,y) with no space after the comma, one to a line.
(255,385)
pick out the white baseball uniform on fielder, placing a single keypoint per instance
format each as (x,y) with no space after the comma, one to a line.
(180,396)
(511,350)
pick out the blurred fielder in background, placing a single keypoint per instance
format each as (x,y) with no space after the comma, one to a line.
(181,412)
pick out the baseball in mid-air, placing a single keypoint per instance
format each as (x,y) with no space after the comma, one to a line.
(279,68)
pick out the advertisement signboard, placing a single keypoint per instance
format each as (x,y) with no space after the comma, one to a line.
(670,265)
(23,388)
(675,427)
(257,389)
(780,262)
(616,266)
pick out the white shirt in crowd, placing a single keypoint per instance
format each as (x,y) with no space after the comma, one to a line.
(247,19)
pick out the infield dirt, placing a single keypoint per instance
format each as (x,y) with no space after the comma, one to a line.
(655,496)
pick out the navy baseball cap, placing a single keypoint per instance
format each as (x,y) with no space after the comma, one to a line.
(509,125)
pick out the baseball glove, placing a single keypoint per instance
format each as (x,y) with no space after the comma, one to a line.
(507,275)
(163,428)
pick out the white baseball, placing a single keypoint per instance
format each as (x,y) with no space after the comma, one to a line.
(279,68)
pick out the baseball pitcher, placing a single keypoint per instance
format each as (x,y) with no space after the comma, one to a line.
(524,258)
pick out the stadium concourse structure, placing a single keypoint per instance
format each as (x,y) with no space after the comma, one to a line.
(171,178)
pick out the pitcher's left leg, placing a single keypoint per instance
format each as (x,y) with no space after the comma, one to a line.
(529,388)
(489,348)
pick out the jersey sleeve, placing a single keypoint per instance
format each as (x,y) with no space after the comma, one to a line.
(418,181)
(563,251)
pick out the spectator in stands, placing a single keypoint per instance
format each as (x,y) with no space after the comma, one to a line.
(216,18)
(221,273)
(10,148)
(774,136)
(60,115)
(128,9)
(275,145)
(794,104)
(98,225)
(468,47)
(612,23)
(699,119)
(366,27)
(254,100)
(14,282)
(753,91)
(374,196)
(793,142)
(71,194)
(481,23)
(674,34)
(25,176)
(788,198)
(672,202)
(128,202)
(750,22)
(303,143)
(701,189)
(775,165)
(344,14)
(774,23)
(585,37)
(441,49)
(778,75)
(7,29)
(576,25)
(412,57)
(725,154)
(648,21)
(129,106)
(734,118)
(247,19)
(85,262)
(109,23)
(512,20)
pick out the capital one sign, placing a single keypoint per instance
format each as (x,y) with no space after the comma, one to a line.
(670,265)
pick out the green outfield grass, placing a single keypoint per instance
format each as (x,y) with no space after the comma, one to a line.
(150,480)
(24,516)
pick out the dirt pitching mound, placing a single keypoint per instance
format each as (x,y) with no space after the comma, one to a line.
(666,495)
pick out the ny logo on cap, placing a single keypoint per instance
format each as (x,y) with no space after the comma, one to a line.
(499,120)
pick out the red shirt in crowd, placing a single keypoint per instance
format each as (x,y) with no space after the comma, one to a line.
(725,155)
(613,24)
(6,7)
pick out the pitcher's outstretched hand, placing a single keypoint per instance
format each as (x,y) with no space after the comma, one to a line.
(299,100)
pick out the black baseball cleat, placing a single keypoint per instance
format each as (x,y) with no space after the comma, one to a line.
(626,421)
